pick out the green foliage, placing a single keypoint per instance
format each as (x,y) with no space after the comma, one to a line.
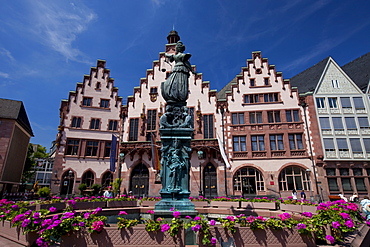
(96,188)
(44,192)
(28,170)
(228,223)
(116,185)
(153,225)
(82,187)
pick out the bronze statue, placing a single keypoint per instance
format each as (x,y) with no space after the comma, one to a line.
(176,87)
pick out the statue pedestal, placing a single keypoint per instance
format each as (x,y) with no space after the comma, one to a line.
(175,177)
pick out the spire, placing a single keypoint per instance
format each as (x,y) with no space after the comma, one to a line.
(173,37)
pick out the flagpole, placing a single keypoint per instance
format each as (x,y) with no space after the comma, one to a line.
(223,145)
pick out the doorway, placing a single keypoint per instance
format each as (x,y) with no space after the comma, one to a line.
(140,180)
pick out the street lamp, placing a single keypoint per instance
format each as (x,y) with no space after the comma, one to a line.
(121,159)
(70,173)
(200,156)
(308,173)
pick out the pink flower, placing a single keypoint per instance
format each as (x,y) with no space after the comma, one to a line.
(330,239)
(335,224)
(260,218)
(172,209)
(176,214)
(345,215)
(122,213)
(150,212)
(231,218)
(187,217)
(352,206)
(307,214)
(25,223)
(196,228)
(212,222)
(197,218)
(97,210)
(98,226)
(301,226)
(213,241)
(86,215)
(52,209)
(349,223)
(165,228)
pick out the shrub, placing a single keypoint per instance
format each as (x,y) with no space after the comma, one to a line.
(82,187)
(96,188)
(44,192)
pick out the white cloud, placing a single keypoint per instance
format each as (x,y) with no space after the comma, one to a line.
(57,25)
(6,53)
(4,75)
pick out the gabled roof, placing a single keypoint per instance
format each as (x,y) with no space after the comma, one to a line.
(359,71)
(307,80)
(222,93)
(13,109)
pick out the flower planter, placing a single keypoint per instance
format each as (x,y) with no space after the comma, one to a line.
(308,208)
(225,204)
(121,204)
(90,205)
(247,237)
(258,205)
(58,206)
(148,203)
(15,234)
(200,204)
(291,208)
(132,237)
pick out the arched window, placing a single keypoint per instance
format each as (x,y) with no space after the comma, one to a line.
(88,178)
(294,177)
(139,180)
(248,181)
(107,179)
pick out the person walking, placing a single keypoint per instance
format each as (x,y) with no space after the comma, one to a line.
(294,194)
(303,196)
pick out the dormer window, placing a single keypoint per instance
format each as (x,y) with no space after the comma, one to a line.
(153,90)
(98,84)
(335,83)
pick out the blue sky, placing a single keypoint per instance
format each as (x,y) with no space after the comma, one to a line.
(47,46)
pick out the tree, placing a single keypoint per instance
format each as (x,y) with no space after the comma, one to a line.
(34,151)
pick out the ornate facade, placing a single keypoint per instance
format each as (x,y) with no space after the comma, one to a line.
(88,119)
(269,132)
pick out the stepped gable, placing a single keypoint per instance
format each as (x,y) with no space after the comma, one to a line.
(158,68)
(307,80)
(255,67)
(101,76)
(359,71)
